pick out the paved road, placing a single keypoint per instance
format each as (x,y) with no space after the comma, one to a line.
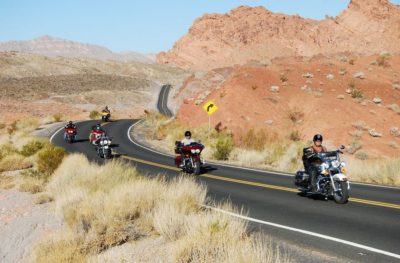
(163,100)
(371,218)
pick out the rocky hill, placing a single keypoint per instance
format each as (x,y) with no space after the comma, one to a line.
(51,47)
(246,34)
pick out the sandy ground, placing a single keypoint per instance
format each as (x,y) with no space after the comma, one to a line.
(23,225)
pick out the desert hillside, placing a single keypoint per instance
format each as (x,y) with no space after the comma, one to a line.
(73,87)
(351,100)
(52,47)
(249,34)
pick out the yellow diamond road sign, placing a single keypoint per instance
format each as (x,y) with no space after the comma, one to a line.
(210,107)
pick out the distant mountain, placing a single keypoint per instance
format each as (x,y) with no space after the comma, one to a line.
(51,47)
(245,34)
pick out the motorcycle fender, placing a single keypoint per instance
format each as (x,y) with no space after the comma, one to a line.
(196,159)
(340,178)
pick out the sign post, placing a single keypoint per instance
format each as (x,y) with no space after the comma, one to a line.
(210,107)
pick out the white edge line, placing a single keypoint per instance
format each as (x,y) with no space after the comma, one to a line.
(306,232)
(238,167)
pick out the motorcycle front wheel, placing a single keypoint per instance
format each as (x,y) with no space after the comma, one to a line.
(197,170)
(341,195)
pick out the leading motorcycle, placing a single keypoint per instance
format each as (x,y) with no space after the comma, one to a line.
(189,157)
(331,179)
(104,147)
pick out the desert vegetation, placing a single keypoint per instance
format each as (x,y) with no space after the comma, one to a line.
(107,206)
(268,150)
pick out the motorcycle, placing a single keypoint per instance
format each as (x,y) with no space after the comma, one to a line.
(70,134)
(189,157)
(104,148)
(95,136)
(331,180)
(105,116)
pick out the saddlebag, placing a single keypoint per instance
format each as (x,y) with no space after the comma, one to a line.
(301,179)
(178,160)
(178,147)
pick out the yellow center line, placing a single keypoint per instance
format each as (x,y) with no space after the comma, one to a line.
(268,186)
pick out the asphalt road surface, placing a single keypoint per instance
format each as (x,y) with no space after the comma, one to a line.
(366,229)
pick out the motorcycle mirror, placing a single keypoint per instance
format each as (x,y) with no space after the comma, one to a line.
(342,147)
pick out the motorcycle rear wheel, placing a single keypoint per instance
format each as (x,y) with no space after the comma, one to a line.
(341,196)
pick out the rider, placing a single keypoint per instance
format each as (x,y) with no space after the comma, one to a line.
(96,130)
(106,110)
(316,148)
(188,139)
(70,125)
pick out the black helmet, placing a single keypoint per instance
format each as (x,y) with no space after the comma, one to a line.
(188,133)
(107,107)
(318,137)
(70,122)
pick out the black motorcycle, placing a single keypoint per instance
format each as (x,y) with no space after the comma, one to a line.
(331,180)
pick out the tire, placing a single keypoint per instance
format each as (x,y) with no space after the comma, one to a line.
(342,196)
(197,169)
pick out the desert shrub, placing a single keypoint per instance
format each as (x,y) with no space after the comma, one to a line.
(276,153)
(284,78)
(32,147)
(254,87)
(295,115)
(354,147)
(223,147)
(295,136)
(382,60)
(57,117)
(48,159)
(13,162)
(12,128)
(7,149)
(42,199)
(352,61)
(105,206)
(356,94)
(256,140)
(384,171)
(93,115)
(361,155)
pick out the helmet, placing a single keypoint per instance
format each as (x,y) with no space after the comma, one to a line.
(106,107)
(318,137)
(188,133)
(70,122)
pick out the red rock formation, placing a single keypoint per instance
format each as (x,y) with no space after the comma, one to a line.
(245,34)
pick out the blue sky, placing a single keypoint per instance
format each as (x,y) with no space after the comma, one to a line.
(143,26)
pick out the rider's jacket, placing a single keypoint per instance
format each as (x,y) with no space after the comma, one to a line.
(186,142)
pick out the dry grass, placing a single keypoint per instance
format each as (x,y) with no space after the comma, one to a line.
(106,206)
(14,162)
(378,172)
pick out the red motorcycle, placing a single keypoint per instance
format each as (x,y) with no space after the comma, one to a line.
(189,157)
(70,134)
(95,136)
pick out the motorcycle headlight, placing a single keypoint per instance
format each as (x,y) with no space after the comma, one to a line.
(193,151)
(198,151)
(335,164)
(324,166)
(109,141)
(342,164)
